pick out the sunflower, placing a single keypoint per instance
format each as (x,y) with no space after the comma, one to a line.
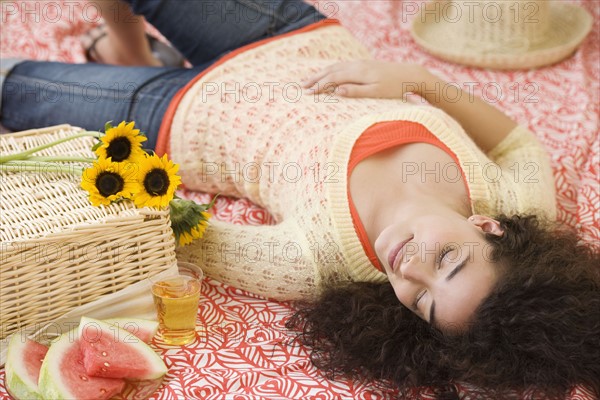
(106,182)
(188,220)
(156,183)
(121,143)
(196,232)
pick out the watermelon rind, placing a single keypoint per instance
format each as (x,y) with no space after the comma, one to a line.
(151,366)
(51,384)
(142,328)
(18,382)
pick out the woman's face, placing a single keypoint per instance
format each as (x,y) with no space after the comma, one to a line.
(440,266)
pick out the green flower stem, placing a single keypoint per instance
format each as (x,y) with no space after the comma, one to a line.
(62,159)
(176,206)
(24,154)
(24,166)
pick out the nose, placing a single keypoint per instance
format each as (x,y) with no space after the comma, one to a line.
(413,269)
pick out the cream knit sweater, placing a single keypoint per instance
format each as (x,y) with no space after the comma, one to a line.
(245,129)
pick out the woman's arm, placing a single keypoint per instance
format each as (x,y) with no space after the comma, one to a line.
(485,124)
(269,260)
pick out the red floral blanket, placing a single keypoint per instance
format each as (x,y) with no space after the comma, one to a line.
(243,352)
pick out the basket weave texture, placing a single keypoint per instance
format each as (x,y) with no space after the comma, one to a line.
(57,250)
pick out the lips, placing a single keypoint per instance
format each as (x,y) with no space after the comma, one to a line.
(396,254)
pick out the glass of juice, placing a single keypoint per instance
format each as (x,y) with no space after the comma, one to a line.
(176,299)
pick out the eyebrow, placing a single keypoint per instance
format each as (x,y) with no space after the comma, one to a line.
(451,275)
(431,314)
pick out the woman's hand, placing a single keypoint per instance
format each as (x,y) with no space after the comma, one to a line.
(368,78)
(486,125)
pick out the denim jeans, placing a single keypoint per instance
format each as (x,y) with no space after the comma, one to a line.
(37,94)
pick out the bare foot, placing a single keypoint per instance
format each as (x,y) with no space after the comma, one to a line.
(108,51)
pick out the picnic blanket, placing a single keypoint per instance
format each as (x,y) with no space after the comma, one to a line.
(243,350)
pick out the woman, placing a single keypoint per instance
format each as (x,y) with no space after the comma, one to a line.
(389,213)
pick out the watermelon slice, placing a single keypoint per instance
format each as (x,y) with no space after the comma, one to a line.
(63,376)
(142,328)
(22,367)
(112,352)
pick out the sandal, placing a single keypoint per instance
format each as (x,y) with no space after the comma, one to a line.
(166,54)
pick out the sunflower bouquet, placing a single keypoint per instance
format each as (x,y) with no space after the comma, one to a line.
(124,171)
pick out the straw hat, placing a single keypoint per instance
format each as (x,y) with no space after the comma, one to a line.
(502,34)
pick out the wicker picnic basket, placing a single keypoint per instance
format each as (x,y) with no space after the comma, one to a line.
(57,250)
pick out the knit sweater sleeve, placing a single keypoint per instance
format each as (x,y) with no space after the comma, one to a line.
(525,166)
(273,261)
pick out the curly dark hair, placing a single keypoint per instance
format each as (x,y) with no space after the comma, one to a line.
(538,330)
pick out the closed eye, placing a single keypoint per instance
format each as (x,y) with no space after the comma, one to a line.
(415,305)
(451,275)
(445,250)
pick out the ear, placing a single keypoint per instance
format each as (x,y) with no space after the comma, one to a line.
(487,224)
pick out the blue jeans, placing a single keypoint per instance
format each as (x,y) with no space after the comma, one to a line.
(38,94)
